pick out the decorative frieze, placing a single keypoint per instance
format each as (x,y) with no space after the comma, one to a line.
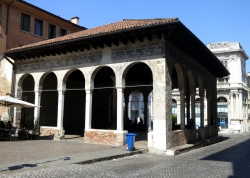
(138,52)
(218,45)
(53,63)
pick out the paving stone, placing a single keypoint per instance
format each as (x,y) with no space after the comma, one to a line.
(230,158)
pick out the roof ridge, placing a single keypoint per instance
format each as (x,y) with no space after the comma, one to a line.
(174,18)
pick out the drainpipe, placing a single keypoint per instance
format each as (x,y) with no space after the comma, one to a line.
(7,24)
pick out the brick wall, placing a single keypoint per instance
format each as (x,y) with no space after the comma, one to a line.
(107,137)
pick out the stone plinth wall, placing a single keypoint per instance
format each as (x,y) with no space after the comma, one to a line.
(107,137)
(191,135)
(213,132)
(48,131)
(207,132)
(178,138)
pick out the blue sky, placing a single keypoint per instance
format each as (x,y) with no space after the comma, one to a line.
(210,20)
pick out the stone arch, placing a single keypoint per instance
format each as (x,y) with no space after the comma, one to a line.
(48,84)
(26,86)
(104,98)
(139,76)
(95,72)
(66,76)
(221,99)
(180,77)
(129,66)
(20,84)
(43,78)
(73,83)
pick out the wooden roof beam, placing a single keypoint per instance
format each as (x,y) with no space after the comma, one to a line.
(115,41)
(124,40)
(149,36)
(100,45)
(131,39)
(139,37)
(108,43)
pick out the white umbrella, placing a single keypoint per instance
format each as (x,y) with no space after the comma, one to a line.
(8,101)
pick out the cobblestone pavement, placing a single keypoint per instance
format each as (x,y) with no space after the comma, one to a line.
(33,150)
(230,158)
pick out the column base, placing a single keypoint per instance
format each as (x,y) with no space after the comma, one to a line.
(52,133)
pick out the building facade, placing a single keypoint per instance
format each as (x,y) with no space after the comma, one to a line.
(22,23)
(232,91)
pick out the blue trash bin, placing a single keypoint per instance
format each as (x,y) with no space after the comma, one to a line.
(130,140)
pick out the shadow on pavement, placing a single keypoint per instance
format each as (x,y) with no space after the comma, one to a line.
(21,166)
(238,155)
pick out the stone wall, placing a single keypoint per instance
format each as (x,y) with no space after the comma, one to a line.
(107,137)
(5,85)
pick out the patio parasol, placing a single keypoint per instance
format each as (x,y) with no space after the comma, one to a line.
(8,101)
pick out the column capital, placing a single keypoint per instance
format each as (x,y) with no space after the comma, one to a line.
(61,92)
(89,91)
(120,89)
(38,92)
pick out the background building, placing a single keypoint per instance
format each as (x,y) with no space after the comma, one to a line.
(232,92)
(22,23)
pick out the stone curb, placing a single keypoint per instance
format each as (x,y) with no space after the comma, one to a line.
(130,153)
(189,147)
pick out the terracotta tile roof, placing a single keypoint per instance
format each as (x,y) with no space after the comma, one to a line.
(105,29)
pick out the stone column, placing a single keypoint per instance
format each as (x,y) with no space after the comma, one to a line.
(182,109)
(114,114)
(37,102)
(88,109)
(120,118)
(237,107)
(178,103)
(188,106)
(240,106)
(193,108)
(208,111)
(232,106)
(202,110)
(60,110)
(145,98)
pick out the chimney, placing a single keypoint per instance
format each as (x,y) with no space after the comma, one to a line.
(75,20)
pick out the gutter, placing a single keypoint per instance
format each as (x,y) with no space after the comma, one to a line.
(7,24)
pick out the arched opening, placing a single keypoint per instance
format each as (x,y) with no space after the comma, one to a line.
(139,84)
(104,100)
(135,110)
(177,86)
(27,114)
(222,111)
(74,104)
(49,100)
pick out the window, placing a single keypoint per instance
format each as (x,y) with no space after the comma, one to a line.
(52,31)
(25,22)
(38,27)
(63,32)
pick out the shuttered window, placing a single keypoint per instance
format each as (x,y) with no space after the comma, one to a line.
(25,22)
(52,31)
(63,32)
(38,27)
